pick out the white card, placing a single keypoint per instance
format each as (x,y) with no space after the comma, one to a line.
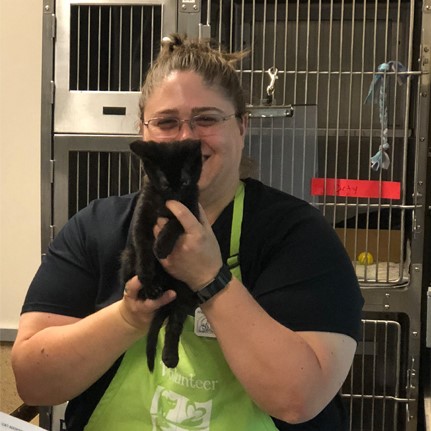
(10,423)
(202,326)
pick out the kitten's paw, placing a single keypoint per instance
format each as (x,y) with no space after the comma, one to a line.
(142,294)
(154,292)
(149,290)
(161,251)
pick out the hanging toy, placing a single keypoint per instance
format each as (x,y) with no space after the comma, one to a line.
(272,72)
(381,159)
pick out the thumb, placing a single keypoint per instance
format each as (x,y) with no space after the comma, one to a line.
(203,217)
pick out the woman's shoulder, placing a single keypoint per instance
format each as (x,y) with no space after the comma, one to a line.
(267,201)
(112,206)
(101,221)
(112,210)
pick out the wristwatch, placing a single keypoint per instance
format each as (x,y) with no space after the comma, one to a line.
(220,281)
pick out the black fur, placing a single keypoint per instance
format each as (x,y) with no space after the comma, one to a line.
(172,172)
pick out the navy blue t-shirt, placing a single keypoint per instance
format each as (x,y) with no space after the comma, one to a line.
(291,260)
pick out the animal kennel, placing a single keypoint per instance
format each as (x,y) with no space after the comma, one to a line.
(338,94)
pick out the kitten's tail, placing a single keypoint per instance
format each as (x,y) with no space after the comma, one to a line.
(153,334)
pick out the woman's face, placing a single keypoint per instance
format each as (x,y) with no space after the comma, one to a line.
(184,95)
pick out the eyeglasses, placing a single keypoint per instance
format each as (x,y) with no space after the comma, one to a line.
(169,127)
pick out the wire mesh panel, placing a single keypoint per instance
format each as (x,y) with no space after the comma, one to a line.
(99,174)
(355,62)
(111,47)
(374,391)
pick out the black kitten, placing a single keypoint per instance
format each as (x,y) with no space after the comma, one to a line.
(172,172)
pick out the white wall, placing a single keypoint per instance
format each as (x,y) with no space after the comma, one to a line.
(20,100)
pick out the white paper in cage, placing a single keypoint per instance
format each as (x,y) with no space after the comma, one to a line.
(10,423)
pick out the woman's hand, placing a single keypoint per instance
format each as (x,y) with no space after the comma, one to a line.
(138,313)
(196,257)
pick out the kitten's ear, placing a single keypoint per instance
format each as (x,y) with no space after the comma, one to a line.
(143,151)
(138,148)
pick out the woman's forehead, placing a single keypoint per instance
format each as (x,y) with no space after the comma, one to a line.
(182,90)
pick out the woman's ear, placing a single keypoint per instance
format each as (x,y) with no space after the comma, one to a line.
(243,124)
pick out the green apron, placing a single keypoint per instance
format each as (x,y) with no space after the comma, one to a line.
(201,393)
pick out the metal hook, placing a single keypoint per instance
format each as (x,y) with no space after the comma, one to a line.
(272,72)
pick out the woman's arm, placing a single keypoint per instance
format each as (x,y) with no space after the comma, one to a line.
(55,357)
(290,375)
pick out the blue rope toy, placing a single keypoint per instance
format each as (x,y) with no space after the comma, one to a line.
(378,94)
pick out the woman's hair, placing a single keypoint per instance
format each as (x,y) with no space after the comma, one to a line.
(215,66)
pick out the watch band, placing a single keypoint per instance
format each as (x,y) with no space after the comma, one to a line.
(221,280)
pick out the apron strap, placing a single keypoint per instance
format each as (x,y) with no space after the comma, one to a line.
(238,208)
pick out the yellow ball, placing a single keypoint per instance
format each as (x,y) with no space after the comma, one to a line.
(365,258)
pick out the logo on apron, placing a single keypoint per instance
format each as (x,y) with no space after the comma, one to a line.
(174,412)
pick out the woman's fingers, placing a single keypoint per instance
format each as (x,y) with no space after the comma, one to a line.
(196,257)
(137,312)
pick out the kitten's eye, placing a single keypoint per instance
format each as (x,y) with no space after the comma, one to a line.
(186,182)
(163,182)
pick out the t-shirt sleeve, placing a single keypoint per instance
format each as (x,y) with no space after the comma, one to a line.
(307,281)
(65,282)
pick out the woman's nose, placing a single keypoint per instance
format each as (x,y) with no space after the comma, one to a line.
(186,131)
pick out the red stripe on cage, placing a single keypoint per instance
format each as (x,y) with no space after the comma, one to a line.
(355,188)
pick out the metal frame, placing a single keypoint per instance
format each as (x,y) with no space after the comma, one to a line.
(47,117)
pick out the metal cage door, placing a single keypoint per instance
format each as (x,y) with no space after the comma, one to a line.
(102,52)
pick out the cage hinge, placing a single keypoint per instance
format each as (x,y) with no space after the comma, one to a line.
(204,31)
(53,26)
(190,6)
(189,17)
(417,227)
(51,20)
(411,388)
(51,232)
(51,171)
(52,91)
(426,59)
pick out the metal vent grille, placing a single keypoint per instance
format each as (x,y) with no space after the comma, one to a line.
(111,47)
(374,390)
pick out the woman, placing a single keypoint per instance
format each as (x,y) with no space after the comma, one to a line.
(286,323)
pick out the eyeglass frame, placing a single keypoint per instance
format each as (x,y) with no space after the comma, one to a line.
(223,118)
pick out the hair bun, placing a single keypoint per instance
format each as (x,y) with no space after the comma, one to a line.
(171,41)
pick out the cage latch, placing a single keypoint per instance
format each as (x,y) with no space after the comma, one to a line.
(272,72)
